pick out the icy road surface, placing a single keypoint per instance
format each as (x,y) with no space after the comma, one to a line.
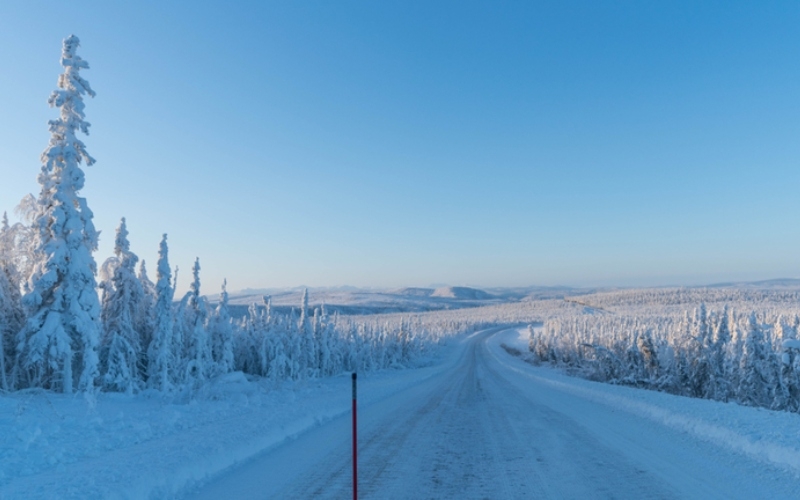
(494,427)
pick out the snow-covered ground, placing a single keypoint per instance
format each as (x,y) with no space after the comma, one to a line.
(478,423)
(146,446)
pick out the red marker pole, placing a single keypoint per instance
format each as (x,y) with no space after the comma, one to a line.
(355,445)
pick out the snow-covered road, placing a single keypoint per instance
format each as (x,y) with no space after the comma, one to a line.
(493,426)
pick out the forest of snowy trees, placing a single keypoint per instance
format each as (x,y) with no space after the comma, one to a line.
(745,350)
(63,331)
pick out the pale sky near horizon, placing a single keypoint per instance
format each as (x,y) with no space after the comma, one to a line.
(408,143)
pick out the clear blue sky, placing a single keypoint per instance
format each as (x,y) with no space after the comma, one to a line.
(417,142)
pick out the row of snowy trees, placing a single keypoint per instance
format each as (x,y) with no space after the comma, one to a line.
(147,340)
(661,300)
(58,333)
(749,357)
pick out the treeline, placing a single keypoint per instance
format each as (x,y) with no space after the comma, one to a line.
(751,358)
(150,341)
(659,300)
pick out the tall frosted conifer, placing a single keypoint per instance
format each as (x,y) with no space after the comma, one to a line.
(58,345)
(145,321)
(122,343)
(221,333)
(755,382)
(722,337)
(12,316)
(11,320)
(199,365)
(308,347)
(6,241)
(160,360)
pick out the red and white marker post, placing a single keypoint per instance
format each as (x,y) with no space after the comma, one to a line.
(355,443)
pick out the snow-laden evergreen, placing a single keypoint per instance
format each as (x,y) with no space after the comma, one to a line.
(12,316)
(221,332)
(144,319)
(57,349)
(11,320)
(199,363)
(160,353)
(121,345)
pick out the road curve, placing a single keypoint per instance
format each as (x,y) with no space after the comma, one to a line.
(485,430)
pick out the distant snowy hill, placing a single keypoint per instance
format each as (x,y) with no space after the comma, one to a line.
(351,300)
(461,293)
(348,300)
(415,292)
(773,283)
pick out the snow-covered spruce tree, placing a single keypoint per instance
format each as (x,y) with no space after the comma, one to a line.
(279,364)
(308,345)
(199,359)
(700,355)
(20,241)
(160,351)
(57,347)
(17,262)
(722,336)
(221,332)
(327,350)
(179,351)
(121,345)
(263,344)
(734,353)
(274,361)
(356,344)
(6,337)
(7,246)
(4,229)
(379,346)
(268,341)
(755,382)
(246,341)
(649,356)
(789,360)
(12,316)
(145,320)
(294,348)
(11,320)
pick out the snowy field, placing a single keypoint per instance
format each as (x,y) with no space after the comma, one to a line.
(150,446)
(117,446)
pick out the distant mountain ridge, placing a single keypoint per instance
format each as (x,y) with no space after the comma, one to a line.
(415,291)
(771,283)
(351,300)
(461,293)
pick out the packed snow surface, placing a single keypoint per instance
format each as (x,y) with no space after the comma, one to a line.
(492,426)
(480,423)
